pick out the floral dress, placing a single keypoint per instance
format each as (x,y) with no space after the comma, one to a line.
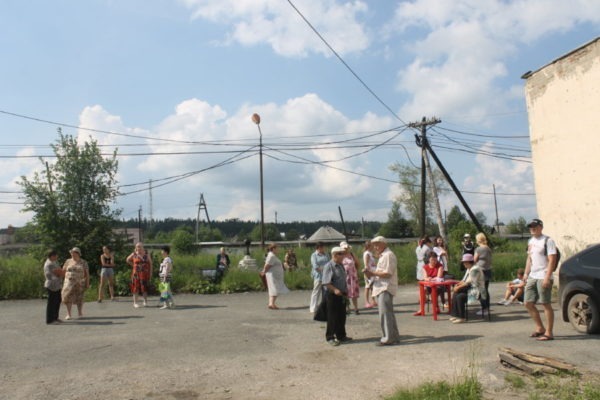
(75,283)
(140,275)
(351,277)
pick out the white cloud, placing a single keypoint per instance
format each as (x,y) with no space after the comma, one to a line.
(293,184)
(463,52)
(276,23)
(509,177)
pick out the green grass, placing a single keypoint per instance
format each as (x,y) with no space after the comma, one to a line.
(22,276)
(465,388)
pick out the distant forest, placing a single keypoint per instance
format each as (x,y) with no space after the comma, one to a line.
(235,229)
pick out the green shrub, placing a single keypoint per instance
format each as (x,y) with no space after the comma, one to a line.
(298,279)
(21,277)
(238,280)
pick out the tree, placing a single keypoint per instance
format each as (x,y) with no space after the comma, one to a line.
(71,200)
(292,234)
(481,217)
(271,233)
(183,241)
(410,198)
(396,226)
(454,218)
(517,226)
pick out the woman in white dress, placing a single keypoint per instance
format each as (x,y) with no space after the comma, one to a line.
(273,271)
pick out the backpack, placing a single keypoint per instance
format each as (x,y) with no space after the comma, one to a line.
(546,253)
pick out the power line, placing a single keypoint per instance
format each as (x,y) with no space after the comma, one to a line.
(345,64)
(483,135)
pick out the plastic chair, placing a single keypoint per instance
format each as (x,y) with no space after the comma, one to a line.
(483,305)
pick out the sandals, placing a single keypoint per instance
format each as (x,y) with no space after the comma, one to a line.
(536,334)
(544,338)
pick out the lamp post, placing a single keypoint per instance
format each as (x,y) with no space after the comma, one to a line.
(256,120)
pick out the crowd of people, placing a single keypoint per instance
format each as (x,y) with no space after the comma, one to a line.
(336,286)
(67,284)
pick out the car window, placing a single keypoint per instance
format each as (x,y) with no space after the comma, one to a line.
(591,258)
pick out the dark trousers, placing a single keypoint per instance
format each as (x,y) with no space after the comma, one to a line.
(485,303)
(336,317)
(459,305)
(53,306)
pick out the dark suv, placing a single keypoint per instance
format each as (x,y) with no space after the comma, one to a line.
(579,290)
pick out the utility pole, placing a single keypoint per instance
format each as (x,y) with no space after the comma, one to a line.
(424,144)
(421,140)
(436,199)
(140,222)
(454,188)
(343,223)
(496,207)
(150,206)
(201,205)
(256,120)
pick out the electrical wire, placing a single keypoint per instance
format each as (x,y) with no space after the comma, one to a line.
(345,64)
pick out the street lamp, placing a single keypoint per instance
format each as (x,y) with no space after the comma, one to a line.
(256,120)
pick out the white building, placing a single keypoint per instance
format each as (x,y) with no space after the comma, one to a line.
(563,103)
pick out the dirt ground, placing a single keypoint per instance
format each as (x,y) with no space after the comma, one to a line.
(233,347)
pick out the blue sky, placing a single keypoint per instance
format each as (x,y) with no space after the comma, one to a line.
(196,70)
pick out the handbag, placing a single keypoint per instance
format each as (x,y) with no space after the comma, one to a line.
(473,296)
(321,313)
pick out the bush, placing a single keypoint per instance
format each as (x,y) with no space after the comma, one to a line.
(298,279)
(238,280)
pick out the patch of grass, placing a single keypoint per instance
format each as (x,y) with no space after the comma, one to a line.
(21,277)
(515,381)
(565,387)
(466,388)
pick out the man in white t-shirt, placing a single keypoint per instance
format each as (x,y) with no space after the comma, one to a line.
(385,285)
(541,260)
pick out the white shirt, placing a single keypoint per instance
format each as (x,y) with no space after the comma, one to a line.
(387,263)
(539,261)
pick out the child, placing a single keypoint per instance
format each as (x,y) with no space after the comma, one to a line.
(514,290)
(165,275)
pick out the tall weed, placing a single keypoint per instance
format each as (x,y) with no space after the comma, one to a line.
(21,277)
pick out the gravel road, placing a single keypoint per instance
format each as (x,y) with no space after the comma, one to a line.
(233,347)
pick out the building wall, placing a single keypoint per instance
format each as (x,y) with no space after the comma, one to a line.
(563,102)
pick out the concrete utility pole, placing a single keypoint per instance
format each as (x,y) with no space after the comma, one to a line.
(256,120)
(421,140)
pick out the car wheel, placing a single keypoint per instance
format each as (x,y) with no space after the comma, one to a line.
(583,313)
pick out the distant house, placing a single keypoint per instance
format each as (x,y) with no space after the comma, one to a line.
(563,104)
(326,234)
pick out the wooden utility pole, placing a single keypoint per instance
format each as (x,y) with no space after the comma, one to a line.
(496,207)
(421,140)
(436,201)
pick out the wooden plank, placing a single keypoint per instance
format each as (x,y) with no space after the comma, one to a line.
(516,363)
(541,360)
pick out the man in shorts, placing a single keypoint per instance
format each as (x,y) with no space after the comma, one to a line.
(541,260)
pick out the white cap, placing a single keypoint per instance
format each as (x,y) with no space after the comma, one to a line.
(378,239)
(337,249)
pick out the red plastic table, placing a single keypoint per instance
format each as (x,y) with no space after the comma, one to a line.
(448,283)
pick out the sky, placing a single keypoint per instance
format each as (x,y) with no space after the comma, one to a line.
(173,84)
